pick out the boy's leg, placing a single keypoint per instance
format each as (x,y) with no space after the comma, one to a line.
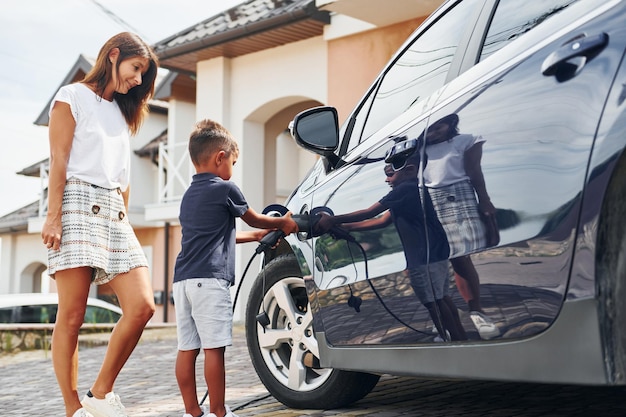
(188,344)
(213,321)
(449,322)
(434,316)
(455,316)
(215,376)
(186,378)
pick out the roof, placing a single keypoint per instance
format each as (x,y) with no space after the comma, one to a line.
(18,220)
(33,170)
(249,27)
(151,149)
(80,68)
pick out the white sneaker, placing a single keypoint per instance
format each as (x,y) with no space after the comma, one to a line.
(228,413)
(439,339)
(204,412)
(81,412)
(110,406)
(486,327)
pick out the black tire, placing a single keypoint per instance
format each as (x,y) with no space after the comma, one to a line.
(289,338)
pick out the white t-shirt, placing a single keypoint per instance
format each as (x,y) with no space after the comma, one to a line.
(446,163)
(100,152)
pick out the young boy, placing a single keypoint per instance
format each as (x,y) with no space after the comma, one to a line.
(205,267)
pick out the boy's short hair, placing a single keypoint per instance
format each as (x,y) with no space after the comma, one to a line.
(209,137)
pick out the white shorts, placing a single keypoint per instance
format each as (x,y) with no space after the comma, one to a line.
(204,313)
(431,282)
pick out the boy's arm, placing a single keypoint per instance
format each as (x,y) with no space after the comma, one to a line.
(327,222)
(369,224)
(250,235)
(262,221)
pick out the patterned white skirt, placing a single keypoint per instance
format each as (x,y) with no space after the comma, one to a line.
(96,233)
(457,209)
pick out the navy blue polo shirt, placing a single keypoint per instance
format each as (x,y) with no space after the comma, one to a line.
(405,205)
(207,217)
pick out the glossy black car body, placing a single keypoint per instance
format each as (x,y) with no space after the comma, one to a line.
(544,84)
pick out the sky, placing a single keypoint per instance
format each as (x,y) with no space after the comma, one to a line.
(40,40)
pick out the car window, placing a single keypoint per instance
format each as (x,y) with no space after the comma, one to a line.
(419,71)
(36,313)
(6,315)
(510,21)
(95,314)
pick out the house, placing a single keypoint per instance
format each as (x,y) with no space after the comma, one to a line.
(251,68)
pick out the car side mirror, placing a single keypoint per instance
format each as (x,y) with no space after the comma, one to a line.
(317,130)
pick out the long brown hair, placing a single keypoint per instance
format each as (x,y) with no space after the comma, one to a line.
(134,104)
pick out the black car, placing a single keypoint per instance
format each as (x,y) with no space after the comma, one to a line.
(499,250)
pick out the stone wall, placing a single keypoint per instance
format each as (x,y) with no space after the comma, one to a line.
(18,337)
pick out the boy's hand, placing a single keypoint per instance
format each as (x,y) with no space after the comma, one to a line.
(288,225)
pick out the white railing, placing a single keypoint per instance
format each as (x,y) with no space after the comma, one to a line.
(175,172)
(44,170)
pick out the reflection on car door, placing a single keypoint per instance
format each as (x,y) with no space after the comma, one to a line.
(373,282)
(360,266)
(530,124)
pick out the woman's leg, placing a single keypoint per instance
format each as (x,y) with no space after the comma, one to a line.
(134,292)
(467,281)
(465,272)
(73,288)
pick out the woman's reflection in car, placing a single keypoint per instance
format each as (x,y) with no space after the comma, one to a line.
(454,179)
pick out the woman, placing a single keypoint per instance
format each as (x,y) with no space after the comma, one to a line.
(86,230)
(456,184)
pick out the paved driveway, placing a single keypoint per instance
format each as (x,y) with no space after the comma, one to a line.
(148,388)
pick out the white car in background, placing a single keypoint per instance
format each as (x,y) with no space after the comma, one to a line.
(42,308)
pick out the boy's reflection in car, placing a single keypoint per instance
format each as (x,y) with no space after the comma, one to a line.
(427,259)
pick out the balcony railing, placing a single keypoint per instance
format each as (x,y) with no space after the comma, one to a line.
(175,172)
(44,170)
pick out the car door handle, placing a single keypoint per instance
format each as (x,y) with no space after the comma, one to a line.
(585,47)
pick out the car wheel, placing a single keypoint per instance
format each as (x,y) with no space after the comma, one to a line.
(285,352)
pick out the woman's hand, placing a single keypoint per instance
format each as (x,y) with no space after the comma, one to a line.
(486,207)
(51,234)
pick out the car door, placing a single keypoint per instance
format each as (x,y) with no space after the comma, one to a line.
(531,98)
(362,285)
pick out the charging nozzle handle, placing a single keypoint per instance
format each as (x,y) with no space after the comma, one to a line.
(269,240)
(302,220)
